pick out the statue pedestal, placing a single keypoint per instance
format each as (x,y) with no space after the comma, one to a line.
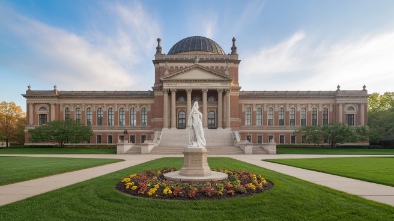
(195,162)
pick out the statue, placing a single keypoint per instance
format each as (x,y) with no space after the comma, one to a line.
(196,132)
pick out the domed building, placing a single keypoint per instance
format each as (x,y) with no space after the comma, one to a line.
(196,69)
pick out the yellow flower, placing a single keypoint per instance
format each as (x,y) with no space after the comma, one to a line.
(133,175)
(134,187)
(125,180)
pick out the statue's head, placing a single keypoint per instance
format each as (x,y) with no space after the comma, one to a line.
(195,105)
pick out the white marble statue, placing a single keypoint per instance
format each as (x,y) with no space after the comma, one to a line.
(196,132)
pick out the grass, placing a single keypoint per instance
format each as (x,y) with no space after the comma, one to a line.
(372,169)
(57,151)
(17,169)
(290,199)
(337,151)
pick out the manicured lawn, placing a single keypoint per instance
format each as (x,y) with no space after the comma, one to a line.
(17,169)
(290,199)
(57,151)
(372,169)
(338,151)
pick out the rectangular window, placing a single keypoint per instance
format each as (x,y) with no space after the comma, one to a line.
(98,139)
(314,117)
(293,139)
(109,139)
(67,113)
(249,138)
(281,138)
(350,119)
(144,117)
(122,117)
(259,117)
(143,138)
(281,116)
(132,117)
(325,116)
(248,116)
(100,116)
(110,116)
(78,115)
(303,116)
(270,116)
(42,119)
(270,138)
(292,117)
(89,116)
(121,138)
(259,138)
(132,138)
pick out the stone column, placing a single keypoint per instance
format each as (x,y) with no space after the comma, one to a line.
(173,107)
(340,113)
(220,108)
(204,107)
(52,112)
(362,115)
(189,103)
(31,110)
(165,108)
(228,108)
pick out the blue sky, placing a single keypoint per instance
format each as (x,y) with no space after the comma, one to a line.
(110,45)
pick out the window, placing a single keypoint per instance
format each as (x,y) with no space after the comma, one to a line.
(292,116)
(109,139)
(133,117)
(98,139)
(110,116)
(303,116)
(67,113)
(100,116)
(281,116)
(351,108)
(181,120)
(122,117)
(293,138)
(143,138)
(249,138)
(248,116)
(325,116)
(270,138)
(78,115)
(42,119)
(121,138)
(270,116)
(259,138)
(144,117)
(350,119)
(42,109)
(281,138)
(211,120)
(181,98)
(132,138)
(211,99)
(89,116)
(314,116)
(259,116)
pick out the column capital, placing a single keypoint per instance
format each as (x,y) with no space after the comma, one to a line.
(189,90)
(165,90)
(173,89)
(220,90)
(204,90)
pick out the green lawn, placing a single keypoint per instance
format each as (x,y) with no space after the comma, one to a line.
(338,151)
(290,199)
(17,169)
(57,151)
(372,169)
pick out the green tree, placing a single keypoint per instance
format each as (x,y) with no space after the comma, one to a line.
(381,118)
(313,134)
(12,122)
(337,133)
(61,131)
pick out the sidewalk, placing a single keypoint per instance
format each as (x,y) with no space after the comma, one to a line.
(19,191)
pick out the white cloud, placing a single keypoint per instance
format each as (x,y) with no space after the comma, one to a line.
(296,65)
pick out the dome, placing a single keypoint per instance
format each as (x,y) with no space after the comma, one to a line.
(196,44)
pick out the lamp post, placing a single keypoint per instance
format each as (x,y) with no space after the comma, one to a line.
(124,136)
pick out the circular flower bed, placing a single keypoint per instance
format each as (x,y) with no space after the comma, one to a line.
(152,184)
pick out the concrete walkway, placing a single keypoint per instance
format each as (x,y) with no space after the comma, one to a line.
(19,191)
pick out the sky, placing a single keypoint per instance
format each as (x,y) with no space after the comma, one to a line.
(283,45)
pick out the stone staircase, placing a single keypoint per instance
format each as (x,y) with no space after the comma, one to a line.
(219,141)
(258,150)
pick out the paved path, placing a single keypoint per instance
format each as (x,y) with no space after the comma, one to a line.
(19,191)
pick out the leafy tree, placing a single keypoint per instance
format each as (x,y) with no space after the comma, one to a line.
(381,118)
(61,131)
(12,122)
(312,134)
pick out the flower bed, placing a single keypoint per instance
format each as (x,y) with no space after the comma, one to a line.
(152,184)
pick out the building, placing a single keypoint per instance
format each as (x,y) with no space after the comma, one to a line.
(197,69)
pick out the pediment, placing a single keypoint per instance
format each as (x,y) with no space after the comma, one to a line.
(196,73)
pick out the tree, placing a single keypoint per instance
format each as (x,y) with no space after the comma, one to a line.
(11,121)
(312,134)
(61,131)
(381,118)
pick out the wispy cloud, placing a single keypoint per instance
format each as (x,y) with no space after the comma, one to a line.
(294,64)
(249,13)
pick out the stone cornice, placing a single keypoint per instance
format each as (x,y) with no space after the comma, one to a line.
(196,66)
(89,94)
(302,94)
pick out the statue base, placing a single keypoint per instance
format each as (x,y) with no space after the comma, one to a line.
(195,167)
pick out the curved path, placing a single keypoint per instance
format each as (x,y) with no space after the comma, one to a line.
(22,190)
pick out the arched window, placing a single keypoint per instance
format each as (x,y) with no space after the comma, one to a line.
(66,113)
(42,116)
(89,116)
(259,116)
(211,120)
(303,116)
(281,116)
(133,117)
(122,117)
(351,108)
(211,99)
(270,116)
(144,117)
(314,116)
(248,116)
(325,116)
(110,116)
(42,109)
(181,98)
(181,120)
(99,116)
(292,116)
(78,115)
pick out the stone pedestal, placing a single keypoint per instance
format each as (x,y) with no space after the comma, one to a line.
(195,162)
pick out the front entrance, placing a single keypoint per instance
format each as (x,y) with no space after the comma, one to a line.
(181,120)
(211,120)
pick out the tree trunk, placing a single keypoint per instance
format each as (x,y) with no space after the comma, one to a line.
(6,142)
